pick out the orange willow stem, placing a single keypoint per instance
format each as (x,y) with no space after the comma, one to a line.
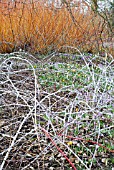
(93,142)
(48,135)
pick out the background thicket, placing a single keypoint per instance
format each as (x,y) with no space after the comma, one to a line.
(42,27)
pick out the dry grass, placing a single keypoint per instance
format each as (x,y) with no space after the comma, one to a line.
(37,28)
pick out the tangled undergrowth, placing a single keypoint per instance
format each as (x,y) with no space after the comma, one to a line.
(56,112)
